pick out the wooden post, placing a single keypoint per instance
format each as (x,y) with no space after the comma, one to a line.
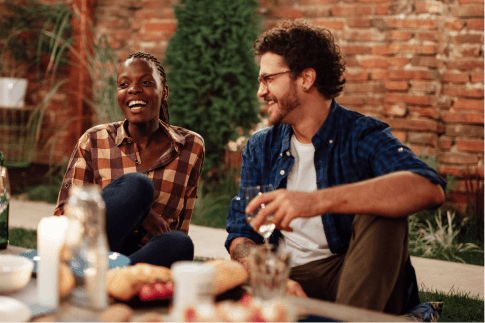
(79,79)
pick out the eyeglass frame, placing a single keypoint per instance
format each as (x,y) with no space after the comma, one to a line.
(264,78)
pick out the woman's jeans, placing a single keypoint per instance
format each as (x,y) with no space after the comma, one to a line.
(128,199)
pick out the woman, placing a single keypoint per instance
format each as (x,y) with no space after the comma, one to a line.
(148,169)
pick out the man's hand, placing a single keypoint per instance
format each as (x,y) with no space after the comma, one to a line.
(155,224)
(295,289)
(285,205)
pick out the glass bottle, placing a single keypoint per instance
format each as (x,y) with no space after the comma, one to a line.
(4,204)
(86,253)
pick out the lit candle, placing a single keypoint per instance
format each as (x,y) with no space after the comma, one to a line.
(51,234)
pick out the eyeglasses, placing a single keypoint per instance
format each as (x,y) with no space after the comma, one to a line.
(264,78)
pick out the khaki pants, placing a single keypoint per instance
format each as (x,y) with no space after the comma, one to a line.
(370,275)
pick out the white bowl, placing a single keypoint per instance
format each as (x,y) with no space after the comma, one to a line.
(15,272)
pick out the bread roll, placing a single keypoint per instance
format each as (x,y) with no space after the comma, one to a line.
(229,274)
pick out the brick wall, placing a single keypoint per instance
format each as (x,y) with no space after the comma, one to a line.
(417,65)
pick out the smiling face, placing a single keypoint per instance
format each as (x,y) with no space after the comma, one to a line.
(280,91)
(140,92)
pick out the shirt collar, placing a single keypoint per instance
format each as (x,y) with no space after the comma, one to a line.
(174,135)
(325,133)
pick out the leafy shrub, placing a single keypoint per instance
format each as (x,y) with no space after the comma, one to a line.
(437,240)
(211,73)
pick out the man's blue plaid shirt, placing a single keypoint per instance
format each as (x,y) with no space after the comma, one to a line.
(349,147)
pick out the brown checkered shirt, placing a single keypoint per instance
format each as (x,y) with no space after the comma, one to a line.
(106,152)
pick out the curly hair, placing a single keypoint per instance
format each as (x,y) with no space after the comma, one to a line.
(306,46)
(164,116)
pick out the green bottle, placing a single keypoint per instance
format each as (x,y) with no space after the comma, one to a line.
(4,203)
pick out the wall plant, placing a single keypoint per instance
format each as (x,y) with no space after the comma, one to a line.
(212,73)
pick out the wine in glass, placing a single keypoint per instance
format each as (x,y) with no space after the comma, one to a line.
(267,228)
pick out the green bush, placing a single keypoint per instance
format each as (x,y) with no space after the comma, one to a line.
(211,73)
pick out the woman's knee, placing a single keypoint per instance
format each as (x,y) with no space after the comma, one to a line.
(178,242)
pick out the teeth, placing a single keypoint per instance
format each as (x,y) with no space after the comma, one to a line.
(136,102)
(270,102)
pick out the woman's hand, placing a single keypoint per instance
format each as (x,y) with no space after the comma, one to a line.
(155,224)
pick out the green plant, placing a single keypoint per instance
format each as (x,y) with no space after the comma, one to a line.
(212,74)
(23,238)
(438,240)
(22,26)
(211,208)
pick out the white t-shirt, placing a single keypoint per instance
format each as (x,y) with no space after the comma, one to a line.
(307,242)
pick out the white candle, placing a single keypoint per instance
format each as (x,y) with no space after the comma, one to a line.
(51,234)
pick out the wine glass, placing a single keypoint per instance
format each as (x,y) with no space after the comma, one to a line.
(267,228)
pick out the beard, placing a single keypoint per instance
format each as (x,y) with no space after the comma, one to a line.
(286,104)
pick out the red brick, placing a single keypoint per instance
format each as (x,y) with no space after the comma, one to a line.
(455,77)
(397,85)
(428,87)
(355,50)
(412,23)
(160,26)
(380,50)
(352,62)
(419,150)
(383,10)
(379,75)
(310,2)
(468,10)
(426,36)
(428,7)
(467,39)
(357,76)
(463,104)
(462,117)
(394,110)
(367,87)
(374,63)
(399,35)
(286,13)
(469,1)
(426,61)
(433,113)
(375,1)
(411,99)
(359,22)
(447,169)
(398,61)
(330,24)
(475,24)
(400,135)
(462,130)
(462,90)
(445,142)
(350,100)
(423,138)
(417,124)
(470,145)
(477,78)
(465,64)
(410,74)
(468,51)
(352,10)
(401,48)
(455,25)
(374,100)
(457,158)
(362,35)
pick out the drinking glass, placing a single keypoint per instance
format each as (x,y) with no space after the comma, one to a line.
(267,228)
(269,271)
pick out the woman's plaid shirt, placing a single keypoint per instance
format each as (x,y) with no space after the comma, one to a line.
(106,152)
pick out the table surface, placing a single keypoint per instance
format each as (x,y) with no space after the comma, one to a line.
(344,313)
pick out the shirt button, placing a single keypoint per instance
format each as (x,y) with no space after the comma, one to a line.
(400,149)
(238,198)
(66,185)
(129,141)
(137,161)
(282,172)
(330,141)
(281,154)
(288,153)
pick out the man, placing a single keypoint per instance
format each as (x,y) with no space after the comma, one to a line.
(345,184)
